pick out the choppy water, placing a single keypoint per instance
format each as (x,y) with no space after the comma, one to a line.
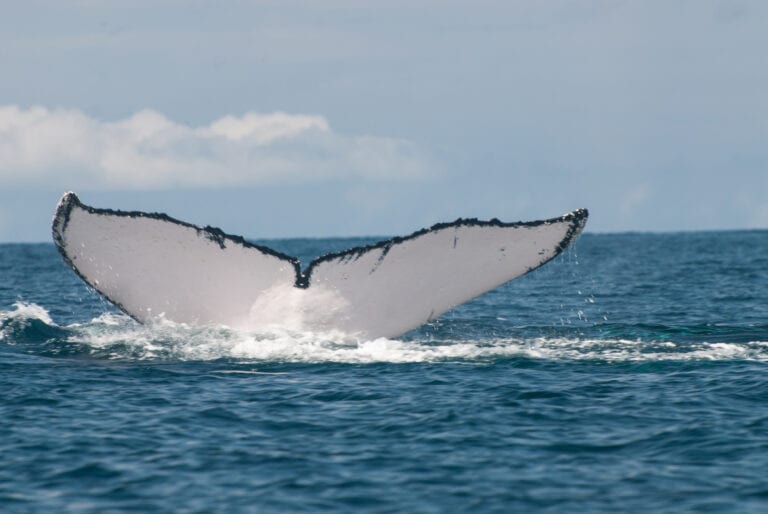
(630,374)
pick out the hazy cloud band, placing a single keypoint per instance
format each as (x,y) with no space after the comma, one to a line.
(67,148)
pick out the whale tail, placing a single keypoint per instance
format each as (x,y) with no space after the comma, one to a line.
(153,266)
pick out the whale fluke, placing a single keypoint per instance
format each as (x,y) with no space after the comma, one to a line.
(153,267)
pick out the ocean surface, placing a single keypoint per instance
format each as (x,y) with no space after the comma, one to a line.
(628,375)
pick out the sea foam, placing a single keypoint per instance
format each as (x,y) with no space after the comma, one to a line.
(117,336)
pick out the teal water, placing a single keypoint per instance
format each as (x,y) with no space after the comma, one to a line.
(630,374)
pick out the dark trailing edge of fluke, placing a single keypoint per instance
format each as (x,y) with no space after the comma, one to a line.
(303,279)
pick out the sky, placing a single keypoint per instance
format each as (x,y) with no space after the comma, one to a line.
(334,118)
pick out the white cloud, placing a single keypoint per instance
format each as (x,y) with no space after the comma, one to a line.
(69,149)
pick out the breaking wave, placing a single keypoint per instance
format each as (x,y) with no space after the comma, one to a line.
(28,328)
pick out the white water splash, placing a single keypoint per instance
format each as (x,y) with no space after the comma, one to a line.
(27,311)
(22,314)
(288,307)
(117,336)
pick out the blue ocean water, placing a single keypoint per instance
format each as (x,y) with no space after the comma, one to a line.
(630,374)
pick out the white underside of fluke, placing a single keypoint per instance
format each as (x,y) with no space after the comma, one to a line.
(155,267)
